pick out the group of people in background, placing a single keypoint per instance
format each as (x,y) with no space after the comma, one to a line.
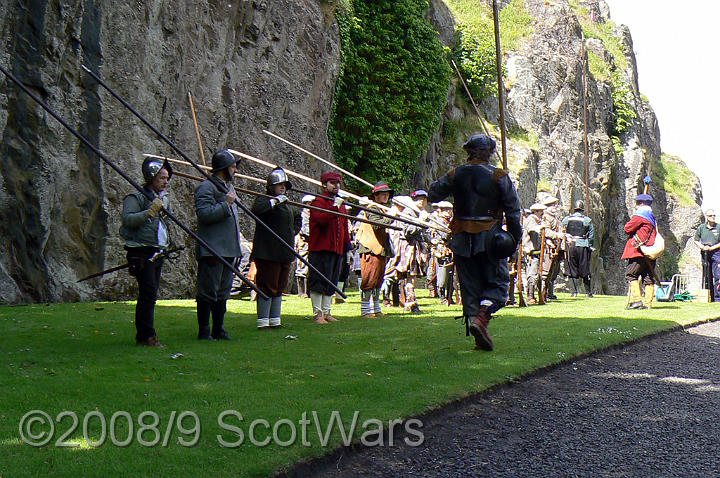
(474,251)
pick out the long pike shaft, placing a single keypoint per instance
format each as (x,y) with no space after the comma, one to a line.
(128,178)
(400,218)
(317,157)
(219,184)
(301,205)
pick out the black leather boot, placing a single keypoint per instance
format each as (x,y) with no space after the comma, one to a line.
(218,317)
(203,316)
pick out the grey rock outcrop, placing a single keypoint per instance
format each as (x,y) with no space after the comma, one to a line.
(250,65)
(544,91)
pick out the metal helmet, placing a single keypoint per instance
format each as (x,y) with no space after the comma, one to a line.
(152,166)
(579,205)
(479,141)
(277,176)
(501,244)
(222,159)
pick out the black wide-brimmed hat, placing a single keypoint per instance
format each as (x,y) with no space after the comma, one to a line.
(381,187)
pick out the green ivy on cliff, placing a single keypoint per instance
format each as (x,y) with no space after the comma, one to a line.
(392,88)
(622,105)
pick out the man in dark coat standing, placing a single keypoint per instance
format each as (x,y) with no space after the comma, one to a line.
(273,258)
(707,238)
(217,216)
(328,243)
(482,195)
(580,233)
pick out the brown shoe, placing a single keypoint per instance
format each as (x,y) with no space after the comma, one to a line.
(330,318)
(478,328)
(379,314)
(319,319)
(152,342)
(371,315)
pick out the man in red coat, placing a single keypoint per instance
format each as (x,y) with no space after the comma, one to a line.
(329,241)
(641,230)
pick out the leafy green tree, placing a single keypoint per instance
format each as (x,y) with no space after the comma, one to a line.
(392,89)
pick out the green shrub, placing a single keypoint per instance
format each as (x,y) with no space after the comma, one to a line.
(475,50)
(392,89)
(676,179)
(623,107)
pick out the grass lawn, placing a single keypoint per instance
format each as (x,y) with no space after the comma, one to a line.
(82,358)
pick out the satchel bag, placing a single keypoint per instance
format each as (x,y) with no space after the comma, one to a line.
(654,251)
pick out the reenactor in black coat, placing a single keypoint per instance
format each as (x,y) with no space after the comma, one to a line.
(272,258)
(482,195)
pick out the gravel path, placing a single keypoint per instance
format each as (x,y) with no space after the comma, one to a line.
(649,409)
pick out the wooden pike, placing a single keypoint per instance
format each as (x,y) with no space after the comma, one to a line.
(519,281)
(357,178)
(501,87)
(477,111)
(540,288)
(197,129)
(298,204)
(349,194)
(381,206)
(398,217)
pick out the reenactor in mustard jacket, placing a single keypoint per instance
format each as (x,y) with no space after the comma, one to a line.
(374,249)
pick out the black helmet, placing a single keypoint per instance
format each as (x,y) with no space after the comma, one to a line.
(479,141)
(222,159)
(501,244)
(152,166)
(579,205)
(277,176)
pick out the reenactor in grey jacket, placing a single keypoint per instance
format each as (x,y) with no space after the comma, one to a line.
(146,236)
(217,217)
(581,239)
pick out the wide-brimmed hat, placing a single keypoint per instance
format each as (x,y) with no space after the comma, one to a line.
(538,207)
(443,205)
(548,200)
(381,187)
(406,202)
(418,193)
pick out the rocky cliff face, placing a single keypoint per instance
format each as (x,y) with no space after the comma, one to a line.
(253,65)
(249,64)
(544,91)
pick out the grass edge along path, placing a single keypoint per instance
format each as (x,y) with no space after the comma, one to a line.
(209,408)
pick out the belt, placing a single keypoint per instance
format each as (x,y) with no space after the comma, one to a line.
(476,218)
